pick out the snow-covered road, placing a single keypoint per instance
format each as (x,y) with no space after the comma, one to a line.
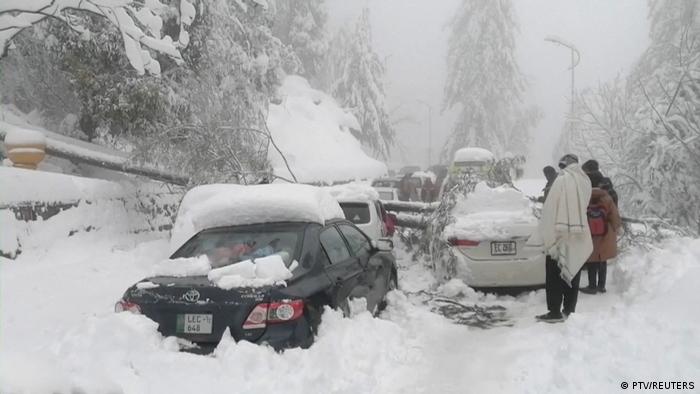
(59,334)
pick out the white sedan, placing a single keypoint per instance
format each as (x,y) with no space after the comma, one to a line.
(488,237)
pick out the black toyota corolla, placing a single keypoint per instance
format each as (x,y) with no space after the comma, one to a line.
(335,262)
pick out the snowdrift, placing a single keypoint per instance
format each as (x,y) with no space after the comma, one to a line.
(38,209)
(312,131)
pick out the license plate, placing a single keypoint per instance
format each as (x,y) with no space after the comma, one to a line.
(503,248)
(194,323)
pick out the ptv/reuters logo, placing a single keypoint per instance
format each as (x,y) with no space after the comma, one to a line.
(191,296)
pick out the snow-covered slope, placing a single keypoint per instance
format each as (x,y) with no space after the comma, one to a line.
(312,131)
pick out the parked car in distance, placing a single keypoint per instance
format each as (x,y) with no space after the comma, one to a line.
(251,232)
(362,206)
(387,188)
(477,161)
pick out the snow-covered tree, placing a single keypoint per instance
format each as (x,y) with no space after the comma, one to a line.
(139,24)
(484,81)
(301,24)
(356,79)
(666,87)
(204,117)
(234,66)
(652,118)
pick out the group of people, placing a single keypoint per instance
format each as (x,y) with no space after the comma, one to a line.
(578,228)
(409,189)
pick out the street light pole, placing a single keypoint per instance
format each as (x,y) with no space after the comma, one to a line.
(575,59)
(430,140)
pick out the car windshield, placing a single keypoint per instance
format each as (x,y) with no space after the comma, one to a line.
(230,245)
(356,212)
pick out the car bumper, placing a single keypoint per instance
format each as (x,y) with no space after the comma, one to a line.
(528,272)
(277,336)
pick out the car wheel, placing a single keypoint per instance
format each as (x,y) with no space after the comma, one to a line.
(344,307)
(393,285)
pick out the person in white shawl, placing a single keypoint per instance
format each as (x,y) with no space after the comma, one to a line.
(564,235)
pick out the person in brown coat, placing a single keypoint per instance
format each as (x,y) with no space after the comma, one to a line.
(604,222)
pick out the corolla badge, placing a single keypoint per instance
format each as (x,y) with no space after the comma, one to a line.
(191,296)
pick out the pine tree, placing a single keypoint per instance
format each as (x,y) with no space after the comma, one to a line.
(355,78)
(484,80)
(301,25)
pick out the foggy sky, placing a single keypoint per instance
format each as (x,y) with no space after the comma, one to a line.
(411,36)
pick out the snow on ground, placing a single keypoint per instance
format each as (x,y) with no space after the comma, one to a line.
(59,333)
(531,187)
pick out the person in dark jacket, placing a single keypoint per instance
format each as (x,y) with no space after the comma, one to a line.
(550,173)
(592,167)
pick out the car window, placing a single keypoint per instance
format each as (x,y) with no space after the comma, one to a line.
(356,212)
(333,244)
(359,244)
(230,245)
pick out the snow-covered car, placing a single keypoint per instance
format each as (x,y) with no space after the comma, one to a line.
(488,236)
(362,206)
(387,188)
(260,263)
(472,160)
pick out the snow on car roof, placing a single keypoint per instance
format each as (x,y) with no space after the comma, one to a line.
(353,192)
(473,154)
(492,214)
(220,205)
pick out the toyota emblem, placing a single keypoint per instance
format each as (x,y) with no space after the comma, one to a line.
(191,296)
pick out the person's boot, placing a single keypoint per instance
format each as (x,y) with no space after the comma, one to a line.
(589,290)
(601,290)
(551,317)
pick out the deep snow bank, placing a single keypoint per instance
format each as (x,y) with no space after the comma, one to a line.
(74,204)
(313,132)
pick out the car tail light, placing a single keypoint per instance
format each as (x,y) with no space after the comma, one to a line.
(257,317)
(463,243)
(122,306)
(275,312)
(280,312)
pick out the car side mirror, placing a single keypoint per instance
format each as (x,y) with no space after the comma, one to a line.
(383,244)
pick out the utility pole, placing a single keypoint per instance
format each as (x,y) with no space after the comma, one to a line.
(430,139)
(575,59)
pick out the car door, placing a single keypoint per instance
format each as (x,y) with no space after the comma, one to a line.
(375,279)
(343,269)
